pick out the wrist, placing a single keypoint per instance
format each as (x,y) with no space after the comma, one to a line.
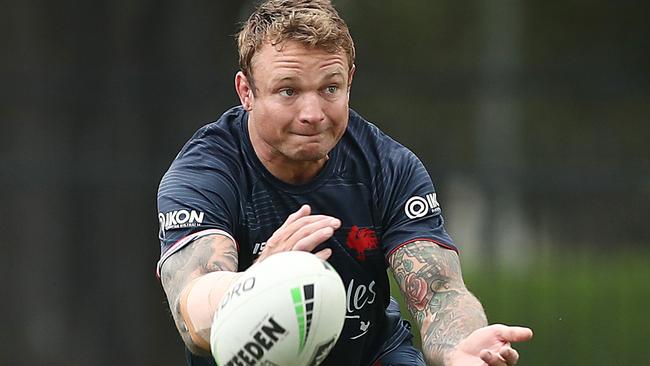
(449,355)
(439,354)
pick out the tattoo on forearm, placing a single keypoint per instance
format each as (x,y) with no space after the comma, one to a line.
(431,280)
(205,255)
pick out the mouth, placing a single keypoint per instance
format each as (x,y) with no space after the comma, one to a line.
(314,134)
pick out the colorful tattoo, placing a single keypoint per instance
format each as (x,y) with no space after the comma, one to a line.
(431,281)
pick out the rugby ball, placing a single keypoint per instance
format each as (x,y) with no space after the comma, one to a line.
(287,310)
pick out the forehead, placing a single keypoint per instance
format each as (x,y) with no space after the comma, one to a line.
(294,56)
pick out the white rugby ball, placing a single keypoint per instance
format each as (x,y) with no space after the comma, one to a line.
(287,310)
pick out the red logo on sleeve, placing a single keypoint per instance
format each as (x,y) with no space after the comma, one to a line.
(361,240)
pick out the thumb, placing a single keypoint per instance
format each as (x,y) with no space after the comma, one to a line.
(514,333)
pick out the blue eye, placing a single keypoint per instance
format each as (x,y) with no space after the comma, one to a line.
(331,89)
(287,92)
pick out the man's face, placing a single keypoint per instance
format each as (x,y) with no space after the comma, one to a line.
(299,109)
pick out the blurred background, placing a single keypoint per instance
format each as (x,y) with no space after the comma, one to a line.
(533,118)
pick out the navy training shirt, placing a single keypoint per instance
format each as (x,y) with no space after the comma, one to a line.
(379,190)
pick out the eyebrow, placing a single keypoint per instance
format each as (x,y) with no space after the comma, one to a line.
(281,78)
(334,74)
(284,78)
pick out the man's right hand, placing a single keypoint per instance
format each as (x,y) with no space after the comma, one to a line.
(302,231)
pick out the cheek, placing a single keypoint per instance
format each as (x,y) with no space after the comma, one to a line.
(339,116)
(273,121)
(341,125)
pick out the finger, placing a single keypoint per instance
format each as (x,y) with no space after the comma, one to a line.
(303,211)
(311,241)
(324,254)
(491,358)
(301,222)
(308,225)
(284,233)
(509,354)
(305,227)
(514,334)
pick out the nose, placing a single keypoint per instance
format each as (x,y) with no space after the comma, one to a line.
(311,109)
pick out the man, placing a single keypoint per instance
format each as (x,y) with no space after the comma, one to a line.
(293,168)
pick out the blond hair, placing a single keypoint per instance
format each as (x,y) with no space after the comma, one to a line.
(314,23)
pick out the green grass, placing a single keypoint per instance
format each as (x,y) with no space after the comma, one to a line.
(586,308)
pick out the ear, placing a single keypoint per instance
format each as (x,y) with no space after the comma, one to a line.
(244,90)
(350,76)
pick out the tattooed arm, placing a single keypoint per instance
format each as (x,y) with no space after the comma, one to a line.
(194,280)
(452,321)
(196,277)
(430,278)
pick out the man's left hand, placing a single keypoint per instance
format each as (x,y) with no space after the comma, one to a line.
(489,346)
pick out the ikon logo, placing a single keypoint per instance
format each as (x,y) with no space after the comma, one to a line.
(179,219)
(417,206)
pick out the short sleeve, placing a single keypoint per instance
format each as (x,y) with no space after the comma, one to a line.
(409,203)
(196,197)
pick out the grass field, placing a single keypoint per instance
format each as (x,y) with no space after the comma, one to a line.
(586,308)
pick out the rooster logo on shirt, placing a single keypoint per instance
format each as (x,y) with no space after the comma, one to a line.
(361,240)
